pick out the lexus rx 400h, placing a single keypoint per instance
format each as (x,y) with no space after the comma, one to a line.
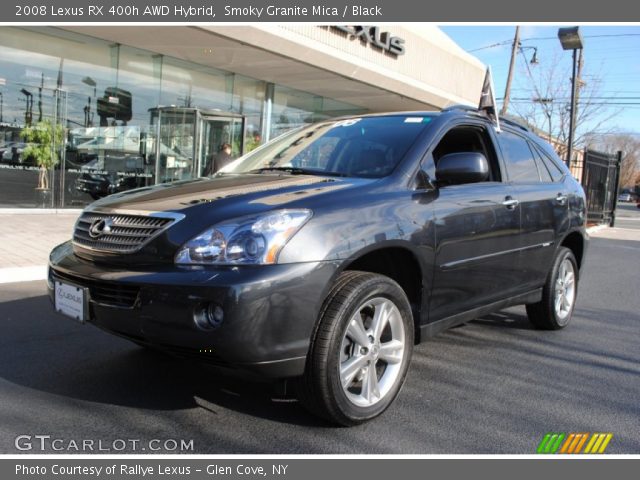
(325,255)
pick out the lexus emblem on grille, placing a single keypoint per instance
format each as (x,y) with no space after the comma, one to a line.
(100,227)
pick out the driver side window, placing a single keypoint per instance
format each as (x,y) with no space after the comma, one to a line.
(469,138)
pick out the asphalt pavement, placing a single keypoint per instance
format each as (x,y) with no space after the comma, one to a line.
(494,385)
(627,215)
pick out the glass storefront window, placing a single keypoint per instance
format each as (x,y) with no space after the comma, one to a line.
(294,108)
(114,104)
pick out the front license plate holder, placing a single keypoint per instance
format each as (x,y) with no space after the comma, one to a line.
(71,300)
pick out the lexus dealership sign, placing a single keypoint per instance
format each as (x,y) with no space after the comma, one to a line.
(374,36)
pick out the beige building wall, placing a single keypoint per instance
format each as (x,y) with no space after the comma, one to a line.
(433,69)
(433,73)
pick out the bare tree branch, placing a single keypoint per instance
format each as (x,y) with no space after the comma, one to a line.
(549,107)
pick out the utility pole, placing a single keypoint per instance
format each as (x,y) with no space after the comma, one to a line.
(579,82)
(512,64)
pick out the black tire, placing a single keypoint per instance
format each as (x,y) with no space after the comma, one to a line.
(544,315)
(320,389)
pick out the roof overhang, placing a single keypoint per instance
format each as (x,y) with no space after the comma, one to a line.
(309,58)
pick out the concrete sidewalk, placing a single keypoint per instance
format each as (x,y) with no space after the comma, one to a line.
(27,239)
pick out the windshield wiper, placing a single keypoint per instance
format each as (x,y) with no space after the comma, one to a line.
(297,171)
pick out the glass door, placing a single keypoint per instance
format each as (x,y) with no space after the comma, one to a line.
(221,141)
(174,143)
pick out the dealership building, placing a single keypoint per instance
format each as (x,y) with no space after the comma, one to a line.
(131,106)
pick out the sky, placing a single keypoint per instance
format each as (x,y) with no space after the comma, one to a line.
(611,59)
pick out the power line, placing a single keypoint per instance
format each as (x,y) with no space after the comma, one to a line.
(582,103)
(559,99)
(531,39)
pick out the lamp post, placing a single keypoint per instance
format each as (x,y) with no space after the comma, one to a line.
(28,112)
(571,39)
(88,115)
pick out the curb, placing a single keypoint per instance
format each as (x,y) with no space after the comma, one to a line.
(23,274)
(596,228)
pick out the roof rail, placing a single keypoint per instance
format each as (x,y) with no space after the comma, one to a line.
(466,108)
(508,120)
(515,123)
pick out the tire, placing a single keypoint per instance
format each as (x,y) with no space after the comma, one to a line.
(555,309)
(349,349)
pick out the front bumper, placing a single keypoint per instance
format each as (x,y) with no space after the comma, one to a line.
(269,311)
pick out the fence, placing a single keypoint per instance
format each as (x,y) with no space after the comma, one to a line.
(600,176)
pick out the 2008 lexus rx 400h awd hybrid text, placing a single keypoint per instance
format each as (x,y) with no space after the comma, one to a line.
(326,254)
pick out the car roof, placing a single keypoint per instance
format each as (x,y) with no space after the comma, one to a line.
(455,110)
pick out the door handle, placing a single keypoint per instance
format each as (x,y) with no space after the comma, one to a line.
(561,199)
(510,203)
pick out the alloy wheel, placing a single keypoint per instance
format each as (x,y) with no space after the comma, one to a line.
(372,351)
(565,291)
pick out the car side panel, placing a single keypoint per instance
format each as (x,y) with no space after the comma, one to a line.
(476,248)
(544,221)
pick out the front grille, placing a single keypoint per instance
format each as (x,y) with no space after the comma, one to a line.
(116,232)
(112,294)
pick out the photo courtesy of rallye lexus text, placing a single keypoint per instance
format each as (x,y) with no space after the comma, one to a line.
(323,256)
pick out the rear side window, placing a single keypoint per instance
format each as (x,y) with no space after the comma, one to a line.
(545,175)
(552,167)
(519,161)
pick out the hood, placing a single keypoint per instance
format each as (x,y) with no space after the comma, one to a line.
(252,190)
(202,203)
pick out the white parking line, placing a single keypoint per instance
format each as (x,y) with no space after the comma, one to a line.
(23,274)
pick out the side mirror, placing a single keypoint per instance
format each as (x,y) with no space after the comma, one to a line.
(463,167)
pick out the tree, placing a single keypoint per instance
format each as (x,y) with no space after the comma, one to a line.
(548,109)
(629,145)
(44,139)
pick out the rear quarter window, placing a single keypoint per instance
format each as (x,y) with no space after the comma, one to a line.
(551,165)
(521,167)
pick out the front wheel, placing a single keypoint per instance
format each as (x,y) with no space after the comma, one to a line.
(555,309)
(361,351)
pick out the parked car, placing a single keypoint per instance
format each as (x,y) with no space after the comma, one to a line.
(113,173)
(624,197)
(326,254)
(13,153)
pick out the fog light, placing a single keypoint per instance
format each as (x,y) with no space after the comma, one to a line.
(209,316)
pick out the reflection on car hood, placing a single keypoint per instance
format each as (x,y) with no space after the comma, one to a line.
(271,190)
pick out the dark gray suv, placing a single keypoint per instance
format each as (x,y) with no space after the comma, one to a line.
(326,254)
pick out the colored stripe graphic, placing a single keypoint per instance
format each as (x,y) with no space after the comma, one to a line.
(557,444)
(573,443)
(598,443)
(550,443)
(565,447)
(581,443)
(543,443)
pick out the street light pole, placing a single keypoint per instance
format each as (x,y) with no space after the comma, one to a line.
(571,39)
(572,115)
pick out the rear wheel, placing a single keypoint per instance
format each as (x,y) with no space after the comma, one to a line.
(359,357)
(555,309)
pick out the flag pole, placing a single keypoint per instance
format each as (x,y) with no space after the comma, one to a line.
(493,100)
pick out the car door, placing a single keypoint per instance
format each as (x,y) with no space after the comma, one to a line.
(476,230)
(543,204)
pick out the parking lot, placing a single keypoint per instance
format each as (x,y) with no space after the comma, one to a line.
(494,385)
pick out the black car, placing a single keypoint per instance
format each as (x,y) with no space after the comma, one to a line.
(326,254)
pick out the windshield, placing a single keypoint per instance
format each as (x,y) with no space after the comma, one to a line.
(358,147)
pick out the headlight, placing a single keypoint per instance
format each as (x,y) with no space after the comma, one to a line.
(246,240)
